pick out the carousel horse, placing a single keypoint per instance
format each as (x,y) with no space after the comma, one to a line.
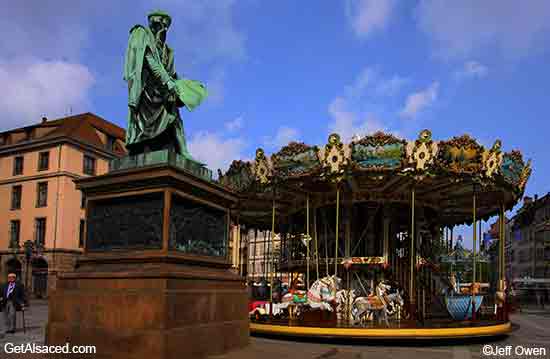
(321,295)
(345,300)
(379,305)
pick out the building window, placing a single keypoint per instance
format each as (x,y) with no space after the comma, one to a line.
(81,233)
(18,165)
(89,165)
(40,231)
(42,194)
(16,192)
(82,200)
(43,161)
(15,229)
(110,145)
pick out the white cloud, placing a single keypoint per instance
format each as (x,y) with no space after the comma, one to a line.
(367,16)
(472,69)
(215,150)
(40,69)
(348,123)
(391,86)
(371,83)
(354,113)
(418,101)
(461,28)
(37,88)
(234,125)
(283,137)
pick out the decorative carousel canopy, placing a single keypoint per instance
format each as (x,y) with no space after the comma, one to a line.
(383,168)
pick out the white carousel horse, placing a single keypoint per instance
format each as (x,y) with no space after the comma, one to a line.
(321,295)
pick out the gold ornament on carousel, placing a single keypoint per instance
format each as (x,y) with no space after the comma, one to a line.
(334,158)
(262,167)
(492,160)
(423,151)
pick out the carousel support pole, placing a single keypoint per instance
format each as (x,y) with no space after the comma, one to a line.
(501,270)
(233,235)
(337,230)
(386,236)
(326,242)
(347,252)
(480,238)
(452,227)
(272,234)
(307,242)
(474,258)
(238,244)
(446,237)
(424,302)
(254,255)
(316,242)
(412,258)
(264,258)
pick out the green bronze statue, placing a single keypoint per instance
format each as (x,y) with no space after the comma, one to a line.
(155,93)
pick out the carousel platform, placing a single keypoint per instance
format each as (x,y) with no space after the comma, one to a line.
(404,330)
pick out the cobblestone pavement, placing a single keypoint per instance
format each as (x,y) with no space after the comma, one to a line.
(36,317)
(533,330)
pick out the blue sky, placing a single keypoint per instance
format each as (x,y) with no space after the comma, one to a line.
(297,70)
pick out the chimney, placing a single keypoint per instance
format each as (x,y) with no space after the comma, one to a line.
(44,119)
(527,200)
(536,197)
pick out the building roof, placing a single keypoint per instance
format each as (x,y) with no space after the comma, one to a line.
(526,214)
(82,128)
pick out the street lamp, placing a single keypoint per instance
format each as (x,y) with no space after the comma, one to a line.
(31,248)
(14,246)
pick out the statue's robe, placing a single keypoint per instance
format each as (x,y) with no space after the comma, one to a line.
(153,119)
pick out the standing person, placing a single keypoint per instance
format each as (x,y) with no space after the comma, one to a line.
(12,299)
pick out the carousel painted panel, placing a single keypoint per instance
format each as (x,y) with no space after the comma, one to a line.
(380,151)
(461,154)
(368,260)
(296,159)
(512,167)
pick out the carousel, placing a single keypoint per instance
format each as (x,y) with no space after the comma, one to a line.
(362,236)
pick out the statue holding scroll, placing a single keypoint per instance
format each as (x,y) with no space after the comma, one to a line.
(155,93)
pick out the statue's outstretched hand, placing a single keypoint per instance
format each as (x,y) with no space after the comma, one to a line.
(171,85)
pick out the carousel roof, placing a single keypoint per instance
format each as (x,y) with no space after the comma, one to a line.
(382,168)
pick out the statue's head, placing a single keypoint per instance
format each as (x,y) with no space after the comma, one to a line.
(159,22)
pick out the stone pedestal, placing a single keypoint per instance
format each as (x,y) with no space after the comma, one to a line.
(155,280)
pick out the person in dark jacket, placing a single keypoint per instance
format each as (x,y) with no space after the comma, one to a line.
(12,299)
